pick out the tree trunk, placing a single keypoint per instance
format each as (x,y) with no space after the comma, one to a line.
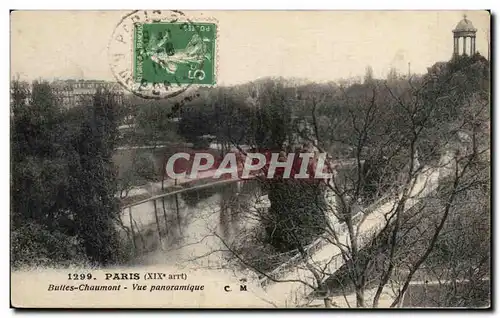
(178,213)
(157,222)
(360,297)
(328,302)
(132,228)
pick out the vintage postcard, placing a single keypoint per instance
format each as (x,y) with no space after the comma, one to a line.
(250,159)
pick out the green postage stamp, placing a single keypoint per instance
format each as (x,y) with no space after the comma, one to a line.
(160,54)
(175,53)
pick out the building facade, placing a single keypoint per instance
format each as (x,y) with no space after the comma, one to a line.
(73,92)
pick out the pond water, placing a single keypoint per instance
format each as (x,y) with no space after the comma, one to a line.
(188,228)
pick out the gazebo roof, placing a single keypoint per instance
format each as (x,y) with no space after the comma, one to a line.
(464,26)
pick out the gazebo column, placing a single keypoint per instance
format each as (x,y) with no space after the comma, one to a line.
(465,44)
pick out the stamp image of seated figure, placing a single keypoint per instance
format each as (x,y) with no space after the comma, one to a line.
(179,53)
(160,54)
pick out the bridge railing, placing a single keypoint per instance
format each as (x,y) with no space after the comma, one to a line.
(180,191)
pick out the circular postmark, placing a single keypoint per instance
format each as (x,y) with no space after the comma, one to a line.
(159,54)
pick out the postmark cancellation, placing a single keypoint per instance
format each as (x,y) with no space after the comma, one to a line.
(160,54)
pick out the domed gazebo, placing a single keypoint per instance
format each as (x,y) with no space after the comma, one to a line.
(464,29)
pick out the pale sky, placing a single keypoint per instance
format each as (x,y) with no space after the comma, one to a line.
(316,45)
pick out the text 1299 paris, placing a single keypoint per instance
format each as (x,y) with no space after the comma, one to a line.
(107,276)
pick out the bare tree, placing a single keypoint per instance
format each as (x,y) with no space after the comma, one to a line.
(401,134)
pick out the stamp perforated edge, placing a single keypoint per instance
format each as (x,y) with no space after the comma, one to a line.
(216,49)
(184,87)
